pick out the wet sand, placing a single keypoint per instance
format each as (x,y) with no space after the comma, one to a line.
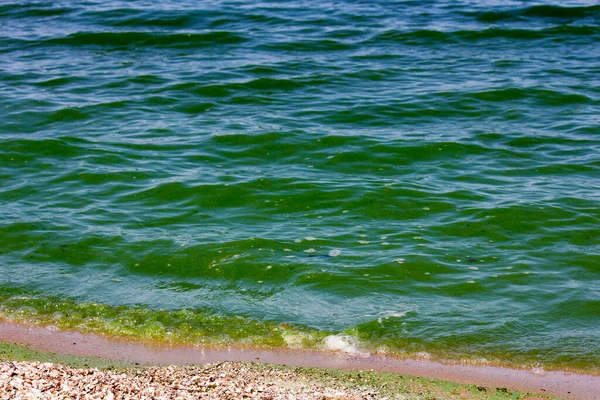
(557,383)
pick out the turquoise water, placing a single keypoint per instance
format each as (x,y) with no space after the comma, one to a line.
(408,177)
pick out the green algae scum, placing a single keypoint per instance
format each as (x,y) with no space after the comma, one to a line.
(415,178)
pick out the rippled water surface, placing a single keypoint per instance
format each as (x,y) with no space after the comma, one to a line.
(411,176)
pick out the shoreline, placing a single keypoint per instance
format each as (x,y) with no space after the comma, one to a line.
(556,383)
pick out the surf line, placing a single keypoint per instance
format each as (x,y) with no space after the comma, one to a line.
(557,383)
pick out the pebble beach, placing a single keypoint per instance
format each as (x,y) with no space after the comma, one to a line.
(229,380)
(34,380)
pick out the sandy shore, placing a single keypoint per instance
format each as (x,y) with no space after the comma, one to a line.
(556,383)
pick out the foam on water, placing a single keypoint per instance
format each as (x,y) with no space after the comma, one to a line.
(343,343)
(335,253)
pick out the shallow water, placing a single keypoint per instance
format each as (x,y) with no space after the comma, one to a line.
(417,177)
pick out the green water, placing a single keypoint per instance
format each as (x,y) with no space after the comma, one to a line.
(405,178)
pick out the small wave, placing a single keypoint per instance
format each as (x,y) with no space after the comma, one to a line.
(251,85)
(195,108)
(146,17)
(63,81)
(232,259)
(164,20)
(209,196)
(309,45)
(272,83)
(539,11)
(68,114)
(535,142)
(125,39)
(427,37)
(39,118)
(261,69)
(147,79)
(82,177)
(33,10)
(243,19)
(61,147)
(544,96)
(390,114)
(555,170)
(370,74)
(270,145)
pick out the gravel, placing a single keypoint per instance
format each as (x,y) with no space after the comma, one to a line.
(228,380)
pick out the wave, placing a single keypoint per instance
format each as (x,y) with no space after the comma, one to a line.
(539,11)
(198,326)
(206,18)
(309,45)
(65,147)
(152,39)
(144,39)
(426,36)
(63,81)
(257,84)
(135,18)
(473,104)
(33,10)
(193,40)
(38,118)
(544,96)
